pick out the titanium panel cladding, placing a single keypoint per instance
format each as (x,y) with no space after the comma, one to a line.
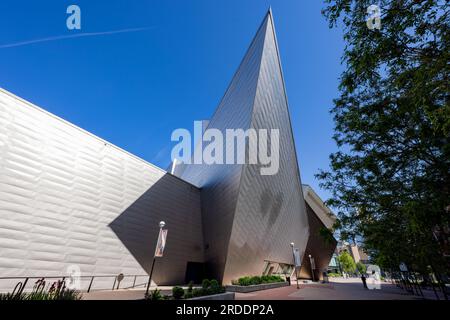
(70,198)
(270,213)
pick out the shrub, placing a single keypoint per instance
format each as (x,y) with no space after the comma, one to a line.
(155,295)
(206,284)
(334,275)
(209,287)
(347,262)
(248,281)
(244,281)
(191,284)
(216,287)
(255,280)
(214,284)
(57,291)
(361,267)
(177,292)
(198,292)
(12,296)
(271,279)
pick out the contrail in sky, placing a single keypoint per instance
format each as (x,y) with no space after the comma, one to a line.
(78,35)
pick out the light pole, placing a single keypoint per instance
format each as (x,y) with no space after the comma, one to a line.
(161,225)
(295,267)
(312,269)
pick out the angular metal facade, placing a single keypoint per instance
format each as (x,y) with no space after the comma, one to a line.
(220,183)
(70,198)
(249,218)
(320,249)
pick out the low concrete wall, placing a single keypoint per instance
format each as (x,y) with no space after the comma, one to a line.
(257,287)
(220,296)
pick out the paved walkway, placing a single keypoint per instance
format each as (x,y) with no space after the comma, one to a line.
(123,294)
(337,289)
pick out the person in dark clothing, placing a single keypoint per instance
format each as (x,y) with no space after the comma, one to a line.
(363,278)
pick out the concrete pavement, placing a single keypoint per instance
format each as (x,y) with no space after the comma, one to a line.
(337,289)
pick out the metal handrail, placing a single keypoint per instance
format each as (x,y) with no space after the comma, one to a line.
(20,286)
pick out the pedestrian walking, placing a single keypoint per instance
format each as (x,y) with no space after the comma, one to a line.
(363,278)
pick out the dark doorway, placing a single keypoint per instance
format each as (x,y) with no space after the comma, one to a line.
(195,272)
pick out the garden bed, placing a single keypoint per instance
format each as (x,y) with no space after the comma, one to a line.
(256,287)
(220,296)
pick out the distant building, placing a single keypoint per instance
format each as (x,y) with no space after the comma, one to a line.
(358,254)
(334,266)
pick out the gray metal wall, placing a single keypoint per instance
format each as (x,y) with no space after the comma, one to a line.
(270,212)
(220,183)
(249,218)
(70,198)
(319,248)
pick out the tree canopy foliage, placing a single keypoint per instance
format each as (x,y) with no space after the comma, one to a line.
(390,177)
(361,267)
(348,265)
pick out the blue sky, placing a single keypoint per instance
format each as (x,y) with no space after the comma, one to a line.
(134,88)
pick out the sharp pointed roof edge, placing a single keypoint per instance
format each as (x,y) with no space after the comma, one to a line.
(263,23)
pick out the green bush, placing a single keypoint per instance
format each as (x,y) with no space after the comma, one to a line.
(214,285)
(271,279)
(334,275)
(155,295)
(206,284)
(347,262)
(361,267)
(255,280)
(249,281)
(57,291)
(190,285)
(198,292)
(209,287)
(243,281)
(177,292)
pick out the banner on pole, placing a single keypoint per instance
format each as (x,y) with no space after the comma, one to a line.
(161,243)
(297,258)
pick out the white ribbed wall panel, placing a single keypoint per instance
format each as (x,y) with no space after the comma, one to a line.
(68,197)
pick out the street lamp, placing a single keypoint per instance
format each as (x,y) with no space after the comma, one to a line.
(312,269)
(295,267)
(161,225)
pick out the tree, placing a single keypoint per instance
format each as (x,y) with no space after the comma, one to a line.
(348,265)
(361,267)
(390,178)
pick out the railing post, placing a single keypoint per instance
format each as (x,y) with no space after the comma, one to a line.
(90,284)
(434,289)
(20,286)
(418,285)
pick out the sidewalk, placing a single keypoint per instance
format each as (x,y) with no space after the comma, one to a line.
(124,294)
(337,289)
